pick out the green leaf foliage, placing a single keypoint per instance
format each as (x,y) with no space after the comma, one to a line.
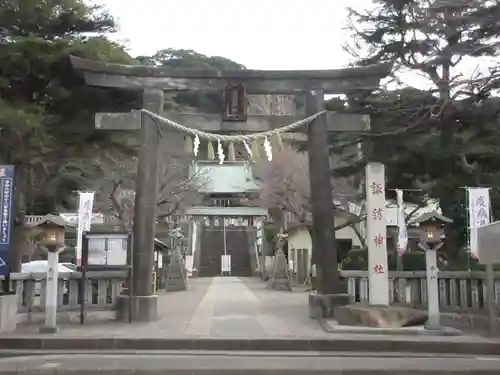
(444,138)
(46,109)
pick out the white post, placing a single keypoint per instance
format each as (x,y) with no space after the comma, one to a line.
(194,237)
(378,277)
(433,314)
(225,259)
(51,293)
(224,232)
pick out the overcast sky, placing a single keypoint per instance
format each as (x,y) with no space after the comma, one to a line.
(260,34)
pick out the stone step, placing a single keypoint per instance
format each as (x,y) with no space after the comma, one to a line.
(347,343)
(147,364)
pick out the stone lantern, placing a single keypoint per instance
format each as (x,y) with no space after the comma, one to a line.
(431,226)
(51,239)
(52,232)
(431,240)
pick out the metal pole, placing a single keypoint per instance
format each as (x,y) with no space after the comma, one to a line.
(492,309)
(468,220)
(83,283)
(490,285)
(130,276)
(399,261)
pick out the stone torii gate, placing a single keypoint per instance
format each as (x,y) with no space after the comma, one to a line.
(235,85)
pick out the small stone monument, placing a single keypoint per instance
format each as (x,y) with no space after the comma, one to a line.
(8,311)
(176,273)
(280,276)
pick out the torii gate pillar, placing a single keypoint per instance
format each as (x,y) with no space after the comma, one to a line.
(141,304)
(324,257)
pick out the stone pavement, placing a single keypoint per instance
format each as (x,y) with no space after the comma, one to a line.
(229,313)
(213,307)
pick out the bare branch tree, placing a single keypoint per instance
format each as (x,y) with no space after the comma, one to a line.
(285,190)
(285,186)
(178,184)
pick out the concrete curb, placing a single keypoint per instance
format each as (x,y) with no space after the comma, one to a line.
(222,364)
(198,364)
(419,344)
(236,371)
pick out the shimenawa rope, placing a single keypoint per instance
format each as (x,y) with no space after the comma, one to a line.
(232,138)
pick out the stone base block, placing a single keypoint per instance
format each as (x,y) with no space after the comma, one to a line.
(322,306)
(176,285)
(176,274)
(331,326)
(46,329)
(379,316)
(176,280)
(144,308)
(8,313)
(280,282)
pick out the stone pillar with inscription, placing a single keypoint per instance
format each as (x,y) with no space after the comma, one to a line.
(378,277)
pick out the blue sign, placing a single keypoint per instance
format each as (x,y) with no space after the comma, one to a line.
(6,192)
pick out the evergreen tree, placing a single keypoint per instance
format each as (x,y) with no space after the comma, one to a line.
(46,110)
(448,136)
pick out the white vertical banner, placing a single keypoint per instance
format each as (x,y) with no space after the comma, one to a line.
(479,215)
(85,204)
(402,231)
(190,258)
(194,235)
(378,277)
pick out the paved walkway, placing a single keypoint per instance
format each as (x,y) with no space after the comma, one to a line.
(229,313)
(228,307)
(231,309)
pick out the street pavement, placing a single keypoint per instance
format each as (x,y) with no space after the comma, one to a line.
(243,363)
